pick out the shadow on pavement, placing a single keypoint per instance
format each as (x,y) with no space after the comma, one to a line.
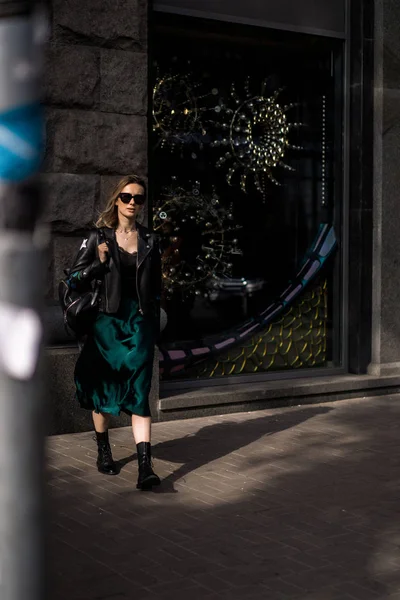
(212,442)
(280,504)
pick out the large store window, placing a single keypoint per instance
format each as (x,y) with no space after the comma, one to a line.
(247,186)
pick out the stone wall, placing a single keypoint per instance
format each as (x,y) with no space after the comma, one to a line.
(96,103)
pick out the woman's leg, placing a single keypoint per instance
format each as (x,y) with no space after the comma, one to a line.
(100,422)
(141,427)
(105,462)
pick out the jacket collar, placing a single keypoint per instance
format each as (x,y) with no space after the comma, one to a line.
(145,243)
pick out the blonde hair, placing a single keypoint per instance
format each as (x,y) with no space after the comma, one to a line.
(109,216)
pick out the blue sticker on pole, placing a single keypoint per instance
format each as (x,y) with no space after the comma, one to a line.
(21,142)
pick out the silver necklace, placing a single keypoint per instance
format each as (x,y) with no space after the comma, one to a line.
(126,239)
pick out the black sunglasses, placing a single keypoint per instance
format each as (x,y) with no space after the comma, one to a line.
(138,198)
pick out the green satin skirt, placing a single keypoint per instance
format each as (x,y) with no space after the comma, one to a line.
(114,370)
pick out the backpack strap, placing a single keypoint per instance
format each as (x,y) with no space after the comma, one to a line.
(101,236)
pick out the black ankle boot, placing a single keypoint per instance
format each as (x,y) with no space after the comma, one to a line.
(105,462)
(147,478)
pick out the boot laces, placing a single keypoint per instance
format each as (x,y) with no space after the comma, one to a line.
(105,451)
(146,463)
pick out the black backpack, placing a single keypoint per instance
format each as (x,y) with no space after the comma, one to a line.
(80,301)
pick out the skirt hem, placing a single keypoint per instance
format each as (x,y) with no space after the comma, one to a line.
(115,413)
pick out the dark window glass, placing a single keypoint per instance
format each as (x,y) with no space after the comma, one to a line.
(247,186)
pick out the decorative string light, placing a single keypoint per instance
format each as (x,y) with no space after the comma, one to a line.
(323,152)
(198,238)
(254,136)
(177,110)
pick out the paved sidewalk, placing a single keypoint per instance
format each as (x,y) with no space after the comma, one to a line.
(298,503)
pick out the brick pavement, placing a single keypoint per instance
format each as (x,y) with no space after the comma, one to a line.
(298,503)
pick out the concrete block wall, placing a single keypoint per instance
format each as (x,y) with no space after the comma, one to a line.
(95,93)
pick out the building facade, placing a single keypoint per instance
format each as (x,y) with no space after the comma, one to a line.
(269,137)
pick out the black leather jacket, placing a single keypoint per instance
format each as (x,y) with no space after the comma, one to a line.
(88,267)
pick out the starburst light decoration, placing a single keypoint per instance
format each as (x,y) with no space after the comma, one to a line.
(198,239)
(254,136)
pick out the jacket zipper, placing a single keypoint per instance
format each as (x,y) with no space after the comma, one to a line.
(105,290)
(139,264)
(137,289)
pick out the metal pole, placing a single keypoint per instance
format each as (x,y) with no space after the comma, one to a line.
(22,403)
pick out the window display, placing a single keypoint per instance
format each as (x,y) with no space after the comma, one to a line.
(246,160)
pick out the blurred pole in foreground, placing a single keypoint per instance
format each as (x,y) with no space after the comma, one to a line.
(22,398)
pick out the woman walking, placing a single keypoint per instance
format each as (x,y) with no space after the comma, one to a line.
(114,370)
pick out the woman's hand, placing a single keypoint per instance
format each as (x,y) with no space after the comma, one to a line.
(103,252)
